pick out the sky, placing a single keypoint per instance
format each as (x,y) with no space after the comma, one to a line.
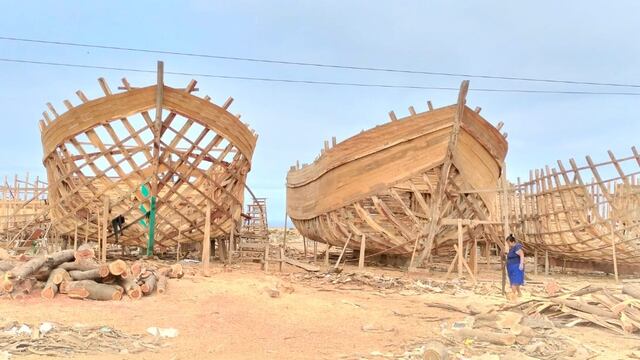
(569,40)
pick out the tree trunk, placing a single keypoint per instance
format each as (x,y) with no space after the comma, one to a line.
(149,283)
(60,257)
(93,274)
(88,289)
(117,267)
(6,265)
(82,265)
(130,287)
(85,251)
(162,284)
(50,289)
(59,275)
(136,269)
(176,271)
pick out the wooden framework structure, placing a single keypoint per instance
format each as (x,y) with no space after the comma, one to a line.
(149,154)
(387,189)
(582,213)
(23,205)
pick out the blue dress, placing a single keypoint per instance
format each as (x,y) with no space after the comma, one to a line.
(516,276)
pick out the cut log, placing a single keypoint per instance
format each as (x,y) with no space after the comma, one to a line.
(43,273)
(60,257)
(149,284)
(486,336)
(162,283)
(176,271)
(89,289)
(130,287)
(81,265)
(632,290)
(6,265)
(25,269)
(59,275)
(93,274)
(85,251)
(435,350)
(117,267)
(50,289)
(136,269)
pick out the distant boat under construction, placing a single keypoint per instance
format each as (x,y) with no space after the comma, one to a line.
(389,189)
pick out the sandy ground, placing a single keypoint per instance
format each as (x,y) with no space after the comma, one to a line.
(230,315)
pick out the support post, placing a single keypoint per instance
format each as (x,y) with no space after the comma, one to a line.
(613,248)
(535,262)
(304,245)
(315,251)
(343,250)
(326,255)
(152,227)
(362,250)
(284,238)
(105,228)
(460,249)
(281,259)
(546,263)
(75,238)
(504,210)
(206,240)
(474,255)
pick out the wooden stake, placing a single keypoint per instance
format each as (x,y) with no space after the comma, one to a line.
(281,258)
(304,245)
(474,255)
(206,240)
(362,249)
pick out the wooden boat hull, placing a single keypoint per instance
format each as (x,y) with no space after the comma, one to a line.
(382,184)
(588,213)
(109,157)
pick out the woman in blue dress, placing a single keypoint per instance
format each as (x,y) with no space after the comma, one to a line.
(515,265)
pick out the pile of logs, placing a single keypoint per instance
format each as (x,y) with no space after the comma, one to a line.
(80,276)
(617,310)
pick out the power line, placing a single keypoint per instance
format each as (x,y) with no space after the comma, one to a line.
(320,65)
(317,82)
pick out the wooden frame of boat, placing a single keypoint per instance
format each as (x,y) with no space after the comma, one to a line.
(387,190)
(592,224)
(114,155)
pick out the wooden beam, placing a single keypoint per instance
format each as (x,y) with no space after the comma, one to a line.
(436,199)
(362,249)
(343,250)
(206,240)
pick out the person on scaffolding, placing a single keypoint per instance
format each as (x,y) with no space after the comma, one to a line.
(515,265)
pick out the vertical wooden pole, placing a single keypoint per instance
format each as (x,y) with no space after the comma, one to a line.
(284,238)
(86,230)
(546,263)
(487,251)
(613,248)
(315,251)
(460,249)
(304,245)
(504,209)
(474,255)
(326,255)
(535,261)
(362,250)
(232,241)
(105,227)
(281,258)
(75,238)
(206,240)
(266,257)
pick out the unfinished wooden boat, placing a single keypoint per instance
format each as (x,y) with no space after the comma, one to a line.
(390,189)
(587,214)
(158,162)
